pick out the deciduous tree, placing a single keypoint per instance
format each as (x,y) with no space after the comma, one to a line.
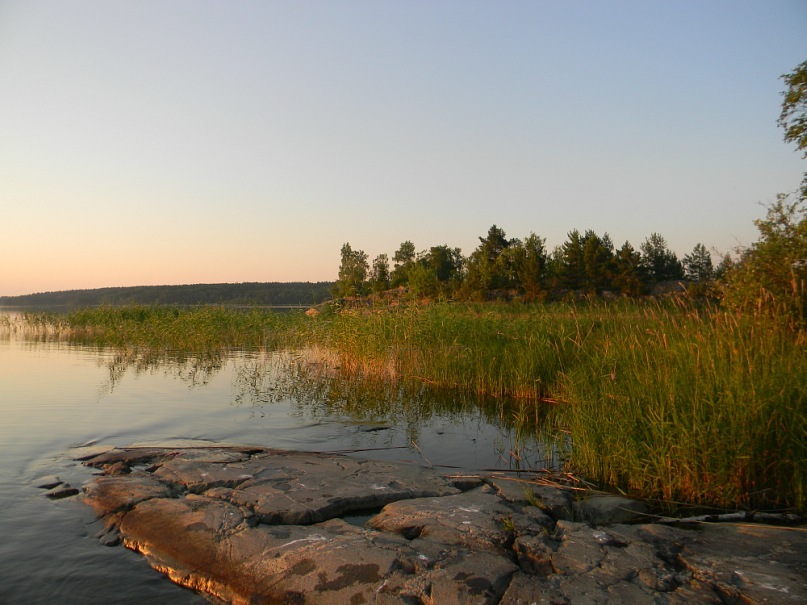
(352,273)
(793,118)
(774,269)
(404,260)
(379,274)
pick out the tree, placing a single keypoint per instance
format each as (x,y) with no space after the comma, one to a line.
(528,262)
(352,273)
(445,262)
(725,265)
(404,260)
(437,272)
(774,269)
(660,263)
(379,275)
(494,244)
(587,261)
(793,118)
(698,264)
(598,255)
(485,272)
(628,271)
(422,281)
(573,266)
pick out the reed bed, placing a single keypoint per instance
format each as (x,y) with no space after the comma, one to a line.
(693,405)
(160,328)
(666,401)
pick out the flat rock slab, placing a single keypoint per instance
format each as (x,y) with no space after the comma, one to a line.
(250,526)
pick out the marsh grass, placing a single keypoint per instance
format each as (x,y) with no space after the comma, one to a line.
(157,328)
(666,401)
(693,405)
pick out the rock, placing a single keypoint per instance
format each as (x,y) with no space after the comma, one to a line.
(48,482)
(304,488)
(554,501)
(605,509)
(108,495)
(475,520)
(65,490)
(752,563)
(250,526)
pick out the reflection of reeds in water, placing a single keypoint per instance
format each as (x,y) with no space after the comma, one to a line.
(35,327)
(668,401)
(193,369)
(314,378)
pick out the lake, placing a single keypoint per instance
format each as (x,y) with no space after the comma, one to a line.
(56,396)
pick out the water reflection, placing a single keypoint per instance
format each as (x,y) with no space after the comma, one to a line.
(314,387)
(194,370)
(57,393)
(320,387)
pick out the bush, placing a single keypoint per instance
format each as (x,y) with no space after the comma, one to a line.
(772,273)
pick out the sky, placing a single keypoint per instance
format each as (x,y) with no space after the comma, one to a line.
(190,141)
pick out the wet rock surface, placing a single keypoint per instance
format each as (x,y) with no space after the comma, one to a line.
(250,525)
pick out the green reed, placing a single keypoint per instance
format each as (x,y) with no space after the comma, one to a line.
(491,350)
(669,401)
(693,405)
(194,329)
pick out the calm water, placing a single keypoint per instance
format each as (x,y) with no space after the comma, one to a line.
(55,396)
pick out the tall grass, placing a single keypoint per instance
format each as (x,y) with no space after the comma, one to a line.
(155,328)
(693,405)
(668,401)
(490,350)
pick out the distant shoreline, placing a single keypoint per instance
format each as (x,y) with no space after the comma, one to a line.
(252,294)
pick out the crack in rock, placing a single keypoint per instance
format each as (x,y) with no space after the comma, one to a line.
(249,526)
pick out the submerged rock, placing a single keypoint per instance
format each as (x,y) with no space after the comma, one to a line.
(250,525)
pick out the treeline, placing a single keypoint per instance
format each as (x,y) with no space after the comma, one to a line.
(502,267)
(250,293)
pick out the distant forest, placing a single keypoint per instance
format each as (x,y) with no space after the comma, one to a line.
(253,293)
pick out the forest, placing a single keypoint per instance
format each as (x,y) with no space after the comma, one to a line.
(523,269)
(250,293)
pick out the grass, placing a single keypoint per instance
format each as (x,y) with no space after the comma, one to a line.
(664,401)
(159,328)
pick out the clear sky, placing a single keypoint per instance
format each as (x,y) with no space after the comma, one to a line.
(169,142)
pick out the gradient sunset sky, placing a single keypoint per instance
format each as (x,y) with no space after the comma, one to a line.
(174,142)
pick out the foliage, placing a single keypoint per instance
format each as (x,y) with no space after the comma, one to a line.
(773,271)
(162,327)
(691,405)
(404,260)
(353,272)
(698,264)
(380,274)
(529,265)
(628,271)
(669,401)
(673,401)
(487,267)
(793,118)
(659,262)
(250,293)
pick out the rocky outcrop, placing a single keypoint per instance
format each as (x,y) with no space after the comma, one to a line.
(250,525)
